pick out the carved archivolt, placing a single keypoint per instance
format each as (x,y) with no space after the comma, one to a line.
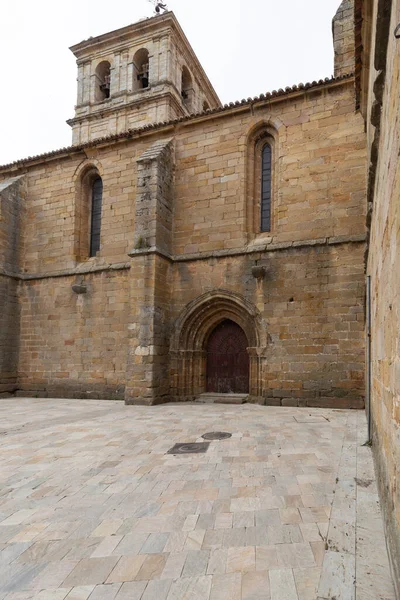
(191,332)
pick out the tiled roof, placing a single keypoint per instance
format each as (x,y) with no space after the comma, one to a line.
(301,87)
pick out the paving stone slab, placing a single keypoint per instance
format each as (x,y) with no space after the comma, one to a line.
(91,506)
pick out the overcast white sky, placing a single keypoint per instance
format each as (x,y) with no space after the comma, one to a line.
(246,47)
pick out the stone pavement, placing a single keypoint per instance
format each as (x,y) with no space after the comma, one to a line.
(92,507)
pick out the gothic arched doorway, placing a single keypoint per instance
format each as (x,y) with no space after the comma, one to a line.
(193,329)
(228,364)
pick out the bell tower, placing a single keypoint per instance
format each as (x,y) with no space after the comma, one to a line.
(143,73)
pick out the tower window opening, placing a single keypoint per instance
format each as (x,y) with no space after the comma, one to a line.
(143,76)
(103,81)
(141,70)
(105,87)
(187,88)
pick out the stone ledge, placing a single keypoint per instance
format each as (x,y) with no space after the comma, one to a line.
(79,270)
(9,274)
(147,251)
(322,402)
(270,247)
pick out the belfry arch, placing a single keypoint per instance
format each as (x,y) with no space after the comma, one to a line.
(192,330)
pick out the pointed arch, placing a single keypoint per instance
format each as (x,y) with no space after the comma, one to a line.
(192,329)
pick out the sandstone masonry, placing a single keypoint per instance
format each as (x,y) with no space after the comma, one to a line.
(181,247)
(380,105)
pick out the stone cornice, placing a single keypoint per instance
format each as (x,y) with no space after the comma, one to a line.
(253,249)
(101,111)
(83,269)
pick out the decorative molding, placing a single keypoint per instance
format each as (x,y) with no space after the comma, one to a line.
(254,249)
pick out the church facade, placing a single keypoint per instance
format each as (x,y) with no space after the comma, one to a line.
(181,247)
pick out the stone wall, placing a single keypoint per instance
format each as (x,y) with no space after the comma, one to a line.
(12,199)
(384,265)
(201,237)
(319,174)
(74,345)
(311,301)
(151,107)
(343,38)
(52,215)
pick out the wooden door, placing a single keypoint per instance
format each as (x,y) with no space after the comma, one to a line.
(227,360)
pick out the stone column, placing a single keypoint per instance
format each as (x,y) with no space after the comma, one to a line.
(86,83)
(129,76)
(149,328)
(115,74)
(123,71)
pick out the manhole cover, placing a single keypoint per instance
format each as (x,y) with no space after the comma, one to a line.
(217,435)
(187,448)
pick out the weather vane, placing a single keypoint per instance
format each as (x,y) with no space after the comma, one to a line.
(158,6)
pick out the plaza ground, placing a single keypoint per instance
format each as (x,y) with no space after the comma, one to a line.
(93,507)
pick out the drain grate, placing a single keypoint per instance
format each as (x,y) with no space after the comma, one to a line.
(216,435)
(196,448)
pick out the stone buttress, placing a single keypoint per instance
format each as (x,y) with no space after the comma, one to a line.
(148,345)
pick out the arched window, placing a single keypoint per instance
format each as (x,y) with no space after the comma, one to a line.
(187,88)
(141,70)
(88,208)
(95,216)
(266,187)
(261,179)
(102,81)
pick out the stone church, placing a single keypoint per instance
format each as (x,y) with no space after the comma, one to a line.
(247,251)
(182,247)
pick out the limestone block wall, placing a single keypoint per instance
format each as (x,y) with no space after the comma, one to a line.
(205,199)
(12,198)
(52,215)
(311,302)
(384,270)
(153,106)
(343,38)
(319,183)
(74,345)
(319,175)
